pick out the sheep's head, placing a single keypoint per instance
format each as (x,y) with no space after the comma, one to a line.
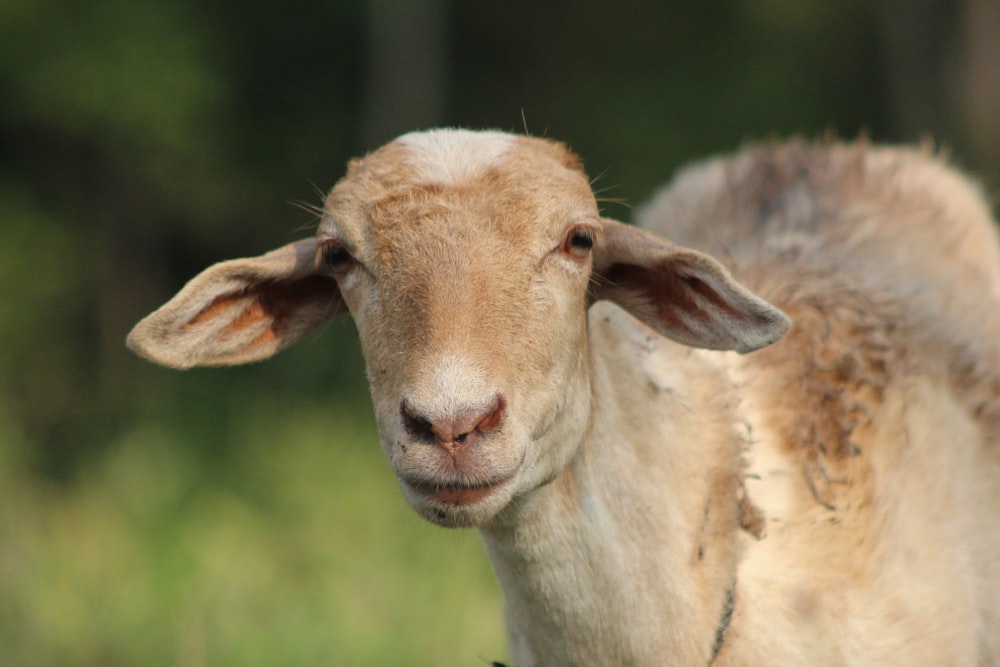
(468,261)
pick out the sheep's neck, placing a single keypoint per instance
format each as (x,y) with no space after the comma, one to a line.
(629,556)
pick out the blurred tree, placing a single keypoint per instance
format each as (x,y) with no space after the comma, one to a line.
(103,121)
(406,87)
(943,75)
(977,71)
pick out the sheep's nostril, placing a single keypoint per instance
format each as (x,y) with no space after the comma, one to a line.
(493,416)
(419,426)
(456,429)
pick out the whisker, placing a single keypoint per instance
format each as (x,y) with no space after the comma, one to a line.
(598,280)
(612,186)
(312,209)
(599,176)
(307,207)
(615,200)
(319,192)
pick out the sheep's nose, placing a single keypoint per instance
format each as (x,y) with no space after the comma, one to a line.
(453,431)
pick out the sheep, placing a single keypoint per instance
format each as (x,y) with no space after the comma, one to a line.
(663,468)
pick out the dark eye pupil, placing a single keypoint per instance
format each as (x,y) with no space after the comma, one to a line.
(582,240)
(335,255)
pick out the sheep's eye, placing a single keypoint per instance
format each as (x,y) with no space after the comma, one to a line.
(335,256)
(579,243)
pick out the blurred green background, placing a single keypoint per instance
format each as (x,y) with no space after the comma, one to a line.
(244,516)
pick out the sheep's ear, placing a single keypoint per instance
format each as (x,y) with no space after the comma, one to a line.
(240,311)
(684,294)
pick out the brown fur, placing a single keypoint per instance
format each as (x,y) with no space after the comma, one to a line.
(793,223)
(883,259)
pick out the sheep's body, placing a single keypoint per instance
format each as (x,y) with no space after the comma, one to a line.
(874,447)
(830,500)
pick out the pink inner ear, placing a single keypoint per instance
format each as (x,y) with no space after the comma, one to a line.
(276,303)
(253,314)
(283,302)
(217,308)
(241,310)
(665,292)
(713,296)
(673,293)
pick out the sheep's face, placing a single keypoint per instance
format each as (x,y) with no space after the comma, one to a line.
(464,259)
(468,261)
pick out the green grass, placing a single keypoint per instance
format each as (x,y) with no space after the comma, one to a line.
(291,547)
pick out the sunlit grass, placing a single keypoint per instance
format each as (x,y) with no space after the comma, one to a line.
(295,549)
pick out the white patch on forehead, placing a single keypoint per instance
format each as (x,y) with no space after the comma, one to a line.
(451,157)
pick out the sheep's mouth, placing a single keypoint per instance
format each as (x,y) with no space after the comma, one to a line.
(458,494)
